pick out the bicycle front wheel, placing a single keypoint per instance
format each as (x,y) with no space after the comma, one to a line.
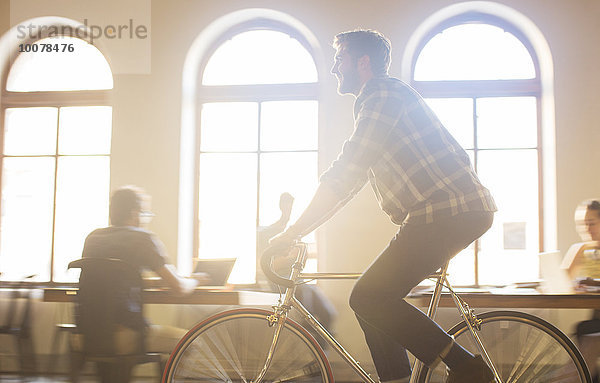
(523,348)
(232,347)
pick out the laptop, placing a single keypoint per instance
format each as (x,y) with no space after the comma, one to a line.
(555,279)
(218,269)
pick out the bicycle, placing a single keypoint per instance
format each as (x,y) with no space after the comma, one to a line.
(256,345)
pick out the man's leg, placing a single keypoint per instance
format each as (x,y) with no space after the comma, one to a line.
(390,358)
(415,252)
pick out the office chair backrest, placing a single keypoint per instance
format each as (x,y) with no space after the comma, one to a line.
(17,317)
(109,295)
(18,324)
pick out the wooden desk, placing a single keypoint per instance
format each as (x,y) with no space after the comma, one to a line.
(489,300)
(200,296)
(206,296)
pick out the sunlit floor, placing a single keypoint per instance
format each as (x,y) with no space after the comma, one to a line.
(62,379)
(342,373)
(56,371)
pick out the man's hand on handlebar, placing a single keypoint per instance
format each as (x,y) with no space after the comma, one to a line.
(285,240)
(278,255)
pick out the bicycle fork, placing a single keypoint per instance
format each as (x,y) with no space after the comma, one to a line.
(468,315)
(474,325)
(276,319)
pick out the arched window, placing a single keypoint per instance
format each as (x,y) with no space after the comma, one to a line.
(56,125)
(481,76)
(258,138)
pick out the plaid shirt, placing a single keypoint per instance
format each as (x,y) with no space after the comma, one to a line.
(415,166)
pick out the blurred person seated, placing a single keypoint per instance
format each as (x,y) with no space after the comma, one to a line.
(309,295)
(127,240)
(582,263)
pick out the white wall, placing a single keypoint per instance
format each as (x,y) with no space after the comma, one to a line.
(147,113)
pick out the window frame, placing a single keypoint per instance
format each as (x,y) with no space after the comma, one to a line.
(257,93)
(477,89)
(52,99)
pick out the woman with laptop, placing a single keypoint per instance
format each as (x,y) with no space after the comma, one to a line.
(582,262)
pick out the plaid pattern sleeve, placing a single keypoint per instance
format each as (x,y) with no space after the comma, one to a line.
(416,168)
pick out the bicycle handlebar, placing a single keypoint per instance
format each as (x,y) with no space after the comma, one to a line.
(265,264)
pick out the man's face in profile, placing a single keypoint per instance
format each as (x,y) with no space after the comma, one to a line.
(345,70)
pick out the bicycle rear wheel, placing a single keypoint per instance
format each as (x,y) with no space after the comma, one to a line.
(523,348)
(232,347)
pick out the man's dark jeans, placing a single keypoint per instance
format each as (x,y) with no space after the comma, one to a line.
(392,325)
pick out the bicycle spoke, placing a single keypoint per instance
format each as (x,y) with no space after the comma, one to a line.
(235,349)
(523,348)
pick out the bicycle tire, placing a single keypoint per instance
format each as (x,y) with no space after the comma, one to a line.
(232,346)
(524,349)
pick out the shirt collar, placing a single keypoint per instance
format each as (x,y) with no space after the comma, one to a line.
(370,82)
(366,90)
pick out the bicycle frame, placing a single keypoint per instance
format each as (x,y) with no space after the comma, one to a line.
(290,301)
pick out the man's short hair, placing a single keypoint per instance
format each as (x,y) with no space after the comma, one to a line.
(374,44)
(123,201)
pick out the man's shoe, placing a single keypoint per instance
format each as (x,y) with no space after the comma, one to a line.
(473,371)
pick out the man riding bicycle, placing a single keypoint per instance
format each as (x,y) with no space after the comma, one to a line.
(424,181)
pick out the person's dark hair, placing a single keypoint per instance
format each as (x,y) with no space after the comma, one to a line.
(123,201)
(587,205)
(580,212)
(592,204)
(368,42)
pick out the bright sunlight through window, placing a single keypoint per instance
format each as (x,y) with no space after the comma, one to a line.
(255,148)
(500,135)
(260,57)
(474,52)
(55,160)
(83,69)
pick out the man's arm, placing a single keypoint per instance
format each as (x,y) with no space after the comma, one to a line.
(179,285)
(376,115)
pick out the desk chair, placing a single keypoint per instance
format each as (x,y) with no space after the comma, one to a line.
(61,331)
(17,323)
(108,288)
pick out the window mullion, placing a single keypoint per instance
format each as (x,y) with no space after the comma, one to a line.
(478,88)
(57,98)
(258,164)
(56,155)
(265,92)
(475,158)
(540,176)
